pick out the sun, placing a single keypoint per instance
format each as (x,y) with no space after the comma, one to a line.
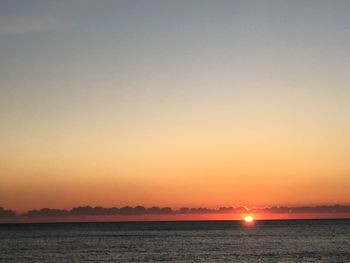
(249,219)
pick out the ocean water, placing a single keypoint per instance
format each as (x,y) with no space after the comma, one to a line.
(200,241)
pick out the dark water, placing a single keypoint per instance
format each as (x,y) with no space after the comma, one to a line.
(206,241)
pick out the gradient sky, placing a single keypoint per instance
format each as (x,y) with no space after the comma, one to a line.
(174,103)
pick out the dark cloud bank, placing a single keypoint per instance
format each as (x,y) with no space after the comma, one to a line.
(6,213)
(140,210)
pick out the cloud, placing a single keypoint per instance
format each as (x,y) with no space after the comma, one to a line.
(18,17)
(18,25)
(155,210)
(305,209)
(128,210)
(6,213)
(46,212)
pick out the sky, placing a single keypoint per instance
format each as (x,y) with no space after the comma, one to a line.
(174,103)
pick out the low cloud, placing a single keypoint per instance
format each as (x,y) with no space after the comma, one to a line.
(4,213)
(155,210)
(46,212)
(304,209)
(141,210)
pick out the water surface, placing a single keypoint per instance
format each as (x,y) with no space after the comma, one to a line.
(195,241)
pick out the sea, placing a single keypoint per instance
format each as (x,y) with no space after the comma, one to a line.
(184,241)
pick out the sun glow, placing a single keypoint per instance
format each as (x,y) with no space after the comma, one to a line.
(249,219)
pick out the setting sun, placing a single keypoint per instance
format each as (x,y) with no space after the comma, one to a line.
(248,219)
